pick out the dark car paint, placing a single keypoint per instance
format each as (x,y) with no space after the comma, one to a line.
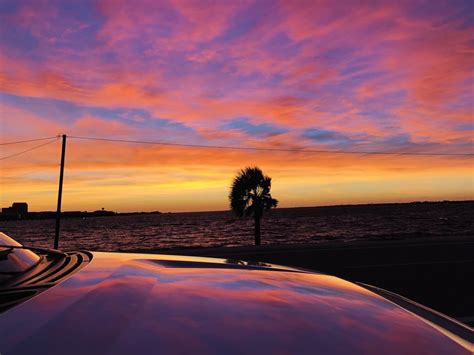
(143,304)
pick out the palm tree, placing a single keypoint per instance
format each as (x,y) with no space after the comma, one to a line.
(250,195)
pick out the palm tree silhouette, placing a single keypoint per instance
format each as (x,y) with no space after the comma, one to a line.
(250,195)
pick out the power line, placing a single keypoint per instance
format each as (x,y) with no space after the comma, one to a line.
(29,150)
(28,140)
(294,150)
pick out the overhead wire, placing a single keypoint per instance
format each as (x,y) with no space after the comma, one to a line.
(29,150)
(28,140)
(207,146)
(292,150)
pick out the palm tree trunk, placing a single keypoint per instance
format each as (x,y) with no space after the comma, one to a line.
(257,230)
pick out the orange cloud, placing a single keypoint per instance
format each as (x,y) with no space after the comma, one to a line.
(390,76)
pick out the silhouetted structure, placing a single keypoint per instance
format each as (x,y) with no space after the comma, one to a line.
(250,195)
(18,210)
(103,212)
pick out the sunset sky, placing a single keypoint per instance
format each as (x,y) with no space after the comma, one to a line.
(394,76)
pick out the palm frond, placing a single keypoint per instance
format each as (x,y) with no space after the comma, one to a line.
(250,193)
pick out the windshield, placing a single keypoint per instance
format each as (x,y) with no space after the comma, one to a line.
(13,259)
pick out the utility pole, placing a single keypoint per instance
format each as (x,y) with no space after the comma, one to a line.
(60,193)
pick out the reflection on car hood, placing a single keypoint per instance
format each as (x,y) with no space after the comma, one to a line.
(139,304)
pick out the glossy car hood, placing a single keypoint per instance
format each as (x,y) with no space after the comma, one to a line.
(140,304)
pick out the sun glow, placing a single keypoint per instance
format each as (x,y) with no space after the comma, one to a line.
(281,76)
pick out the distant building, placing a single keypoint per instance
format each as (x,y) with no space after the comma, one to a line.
(18,210)
(103,212)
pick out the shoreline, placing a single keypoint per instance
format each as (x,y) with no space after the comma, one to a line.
(364,242)
(106,213)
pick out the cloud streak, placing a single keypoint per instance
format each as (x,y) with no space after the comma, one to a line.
(294,74)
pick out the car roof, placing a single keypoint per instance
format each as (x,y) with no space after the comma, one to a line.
(139,303)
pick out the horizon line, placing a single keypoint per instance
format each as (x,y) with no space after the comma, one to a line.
(292,207)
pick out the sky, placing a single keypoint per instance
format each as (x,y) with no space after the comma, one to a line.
(389,76)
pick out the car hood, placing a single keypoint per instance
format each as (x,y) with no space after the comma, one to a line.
(141,303)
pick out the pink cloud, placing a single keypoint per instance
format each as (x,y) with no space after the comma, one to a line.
(17,124)
(308,86)
(93,125)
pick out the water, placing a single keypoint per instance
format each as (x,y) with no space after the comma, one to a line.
(280,226)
